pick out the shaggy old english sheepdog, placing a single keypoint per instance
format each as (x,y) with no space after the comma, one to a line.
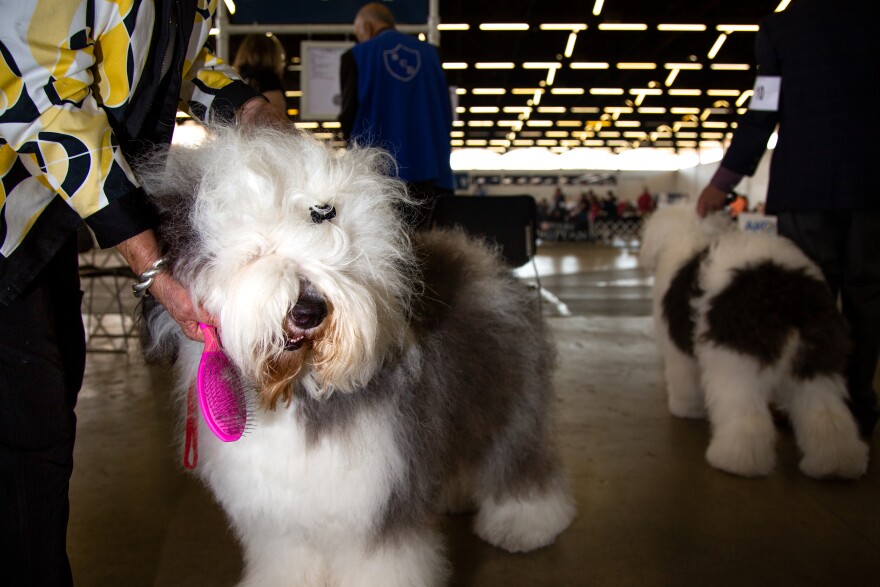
(744,321)
(393,376)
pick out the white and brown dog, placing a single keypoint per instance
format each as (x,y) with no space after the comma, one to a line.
(744,321)
(395,375)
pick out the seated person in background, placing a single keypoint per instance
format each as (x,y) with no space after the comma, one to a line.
(260,62)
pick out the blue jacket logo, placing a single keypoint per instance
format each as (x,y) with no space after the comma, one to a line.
(402,62)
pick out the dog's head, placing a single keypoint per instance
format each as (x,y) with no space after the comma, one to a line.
(297,248)
(677,231)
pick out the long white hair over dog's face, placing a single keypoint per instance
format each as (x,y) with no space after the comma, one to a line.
(309,270)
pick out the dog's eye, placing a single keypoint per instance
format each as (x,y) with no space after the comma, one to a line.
(322,212)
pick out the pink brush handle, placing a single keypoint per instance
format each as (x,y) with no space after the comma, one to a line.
(212,344)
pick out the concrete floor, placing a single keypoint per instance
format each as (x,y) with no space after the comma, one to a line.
(651,511)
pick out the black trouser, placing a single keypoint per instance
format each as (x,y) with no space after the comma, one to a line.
(846,245)
(42,357)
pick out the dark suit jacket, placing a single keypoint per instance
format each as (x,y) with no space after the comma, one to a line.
(828,153)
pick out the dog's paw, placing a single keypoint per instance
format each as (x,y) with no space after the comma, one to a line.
(846,460)
(521,525)
(687,408)
(744,452)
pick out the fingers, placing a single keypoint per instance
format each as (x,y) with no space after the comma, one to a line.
(176,300)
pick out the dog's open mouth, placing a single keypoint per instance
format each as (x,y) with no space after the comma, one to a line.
(304,317)
(294,343)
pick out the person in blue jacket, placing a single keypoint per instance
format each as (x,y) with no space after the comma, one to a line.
(395,96)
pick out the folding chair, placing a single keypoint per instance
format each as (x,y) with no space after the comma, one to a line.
(508,222)
(108,313)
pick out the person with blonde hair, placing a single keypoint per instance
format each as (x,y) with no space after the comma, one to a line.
(260,62)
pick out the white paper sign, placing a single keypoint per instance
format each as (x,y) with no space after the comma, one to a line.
(766,95)
(753,222)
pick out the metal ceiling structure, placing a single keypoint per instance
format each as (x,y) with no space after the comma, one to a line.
(618,74)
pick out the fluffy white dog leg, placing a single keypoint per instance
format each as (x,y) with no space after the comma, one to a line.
(685,397)
(524,523)
(743,435)
(825,430)
(411,560)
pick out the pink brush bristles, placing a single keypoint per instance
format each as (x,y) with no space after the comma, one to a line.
(220,390)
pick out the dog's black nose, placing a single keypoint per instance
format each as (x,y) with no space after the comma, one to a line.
(309,312)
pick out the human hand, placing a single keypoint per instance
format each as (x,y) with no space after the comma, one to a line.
(177,302)
(259,111)
(711,200)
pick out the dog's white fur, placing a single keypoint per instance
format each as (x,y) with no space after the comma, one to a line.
(733,388)
(338,485)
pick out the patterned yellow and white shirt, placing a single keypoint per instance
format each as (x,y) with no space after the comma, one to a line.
(85,85)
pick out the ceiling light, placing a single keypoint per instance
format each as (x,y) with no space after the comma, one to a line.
(454,65)
(744,96)
(563,27)
(588,65)
(230,6)
(546,143)
(681,27)
(686,65)
(456,134)
(453,27)
(500,142)
(305,124)
(673,92)
(722,92)
(639,99)
(457,123)
(597,7)
(782,6)
(629,65)
(670,79)
(569,46)
(483,109)
(460,91)
(684,111)
(456,143)
(515,109)
(539,123)
(606,91)
(619,110)
(584,110)
(489,91)
(609,134)
(628,123)
(652,110)
(741,111)
(522,91)
(622,26)
(541,65)
(556,134)
(717,46)
(552,110)
(481,123)
(646,92)
(686,135)
(476,142)
(737,28)
(730,66)
(510,123)
(714,124)
(551,76)
(332,125)
(567,91)
(523,143)
(569,123)
(536,99)
(460,110)
(712,135)
(293,93)
(504,26)
(495,65)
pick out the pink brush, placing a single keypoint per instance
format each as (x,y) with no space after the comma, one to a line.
(221,392)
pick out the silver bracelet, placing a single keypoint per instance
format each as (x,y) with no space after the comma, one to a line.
(145,279)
